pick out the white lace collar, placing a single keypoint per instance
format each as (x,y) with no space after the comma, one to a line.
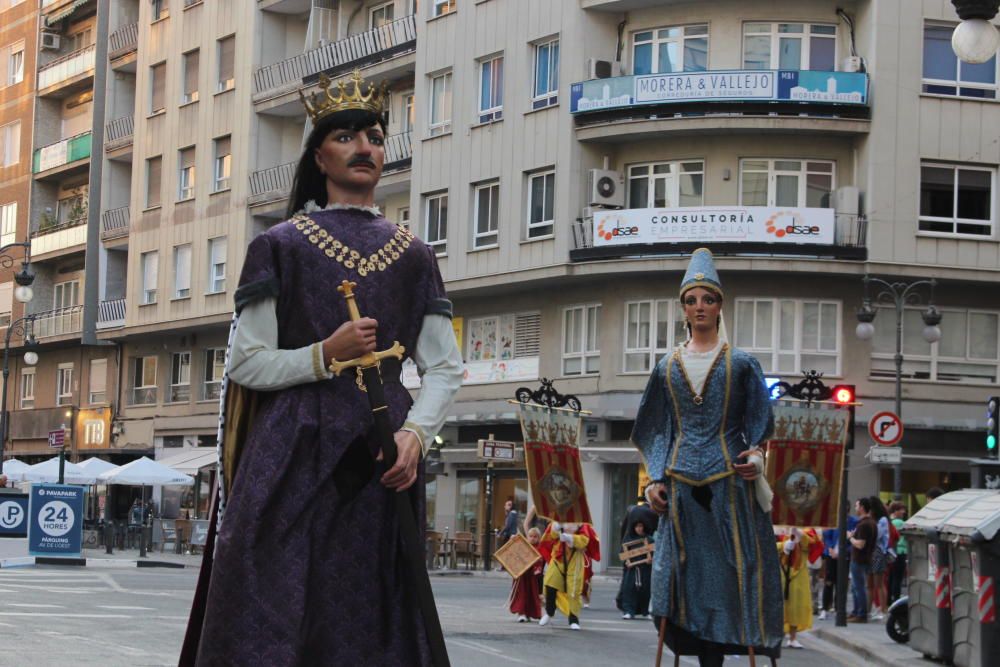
(709,354)
(311,207)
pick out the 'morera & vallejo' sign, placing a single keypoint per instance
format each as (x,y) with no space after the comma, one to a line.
(720,224)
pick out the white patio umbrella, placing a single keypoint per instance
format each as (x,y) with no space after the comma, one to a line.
(48,471)
(96,466)
(14,469)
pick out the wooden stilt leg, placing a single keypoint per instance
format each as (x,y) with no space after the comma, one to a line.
(659,645)
(753,657)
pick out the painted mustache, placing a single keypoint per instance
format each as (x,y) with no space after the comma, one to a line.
(361,160)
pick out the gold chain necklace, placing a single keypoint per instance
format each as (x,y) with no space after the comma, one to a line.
(334,249)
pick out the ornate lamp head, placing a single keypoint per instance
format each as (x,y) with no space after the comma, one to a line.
(320,105)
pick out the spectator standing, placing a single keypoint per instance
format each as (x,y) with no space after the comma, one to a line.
(862,541)
(879,560)
(897,571)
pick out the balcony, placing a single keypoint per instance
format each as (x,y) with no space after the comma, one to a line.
(115,223)
(123,42)
(56,77)
(398,153)
(59,322)
(269,185)
(111,314)
(70,234)
(51,159)
(639,107)
(57,10)
(356,51)
(727,230)
(118,133)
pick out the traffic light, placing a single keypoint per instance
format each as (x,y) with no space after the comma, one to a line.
(992,426)
(843,394)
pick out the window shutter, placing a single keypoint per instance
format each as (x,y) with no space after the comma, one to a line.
(182,269)
(190,74)
(153,181)
(98,376)
(227,53)
(159,84)
(6,297)
(527,335)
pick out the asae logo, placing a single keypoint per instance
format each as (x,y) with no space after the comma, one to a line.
(788,223)
(607,232)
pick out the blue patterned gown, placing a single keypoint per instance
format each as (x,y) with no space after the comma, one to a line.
(715,573)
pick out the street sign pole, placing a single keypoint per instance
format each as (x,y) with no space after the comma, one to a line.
(62,465)
(488,555)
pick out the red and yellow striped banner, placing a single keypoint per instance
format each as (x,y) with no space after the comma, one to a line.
(552,458)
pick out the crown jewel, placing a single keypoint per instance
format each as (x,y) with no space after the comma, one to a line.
(322,104)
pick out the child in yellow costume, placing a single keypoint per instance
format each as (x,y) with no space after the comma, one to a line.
(793,554)
(563,548)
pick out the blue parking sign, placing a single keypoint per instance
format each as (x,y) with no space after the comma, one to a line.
(56,520)
(13,515)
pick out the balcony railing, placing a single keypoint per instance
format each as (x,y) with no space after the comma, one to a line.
(271,184)
(70,234)
(67,67)
(118,132)
(111,314)
(61,153)
(398,152)
(123,41)
(59,322)
(114,223)
(360,50)
(735,230)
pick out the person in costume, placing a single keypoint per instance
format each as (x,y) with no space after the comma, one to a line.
(634,590)
(307,565)
(526,591)
(793,553)
(590,554)
(564,547)
(701,427)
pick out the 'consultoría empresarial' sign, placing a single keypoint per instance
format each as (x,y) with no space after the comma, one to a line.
(714,224)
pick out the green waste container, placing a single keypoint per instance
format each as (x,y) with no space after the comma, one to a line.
(971,535)
(929,573)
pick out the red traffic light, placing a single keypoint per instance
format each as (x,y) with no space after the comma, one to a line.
(843,394)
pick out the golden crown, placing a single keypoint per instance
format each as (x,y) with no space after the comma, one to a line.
(322,104)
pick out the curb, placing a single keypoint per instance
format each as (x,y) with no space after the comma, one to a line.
(107,563)
(873,655)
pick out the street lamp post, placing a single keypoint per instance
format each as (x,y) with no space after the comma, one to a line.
(23,293)
(22,327)
(898,294)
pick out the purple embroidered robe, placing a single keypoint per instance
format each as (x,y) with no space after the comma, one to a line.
(301,576)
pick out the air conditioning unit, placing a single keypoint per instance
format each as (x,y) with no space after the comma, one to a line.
(50,41)
(605,188)
(851,64)
(600,69)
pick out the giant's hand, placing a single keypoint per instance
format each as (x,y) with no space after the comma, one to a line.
(656,494)
(754,466)
(350,341)
(402,475)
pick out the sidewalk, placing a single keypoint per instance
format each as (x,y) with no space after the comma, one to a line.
(14,553)
(869,643)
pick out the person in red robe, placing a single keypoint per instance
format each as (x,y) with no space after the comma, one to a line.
(526,590)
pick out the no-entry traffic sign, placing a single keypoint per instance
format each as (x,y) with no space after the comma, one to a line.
(886,428)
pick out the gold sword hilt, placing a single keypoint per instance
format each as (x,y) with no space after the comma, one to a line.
(368,359)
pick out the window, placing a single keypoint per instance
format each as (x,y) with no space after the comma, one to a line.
(436,227)
(486,215)
(98,381)
(969,349)
(541,202)
(6,303)
(956,199)
(380,15)
(406,124)
(795,46)
(652,329)
(10,143)
(581,340)
(666,184)
(180,377)
(64,384)
(440,104)
(491,89)
(154,168)
(12,60)
(185,174)
(790,336)
(217,265)
(73,209)
(159,9)
(215,366)
(945,74)
(8,223)
(223,162)
(404,216)
(546,88)
(27,388)
(66,294)
(143,381)
(149,265)
(503,337)
(441,7)
(227,55)
(182,271)
(671,49)
(157,86)
(786,183)
(190,83)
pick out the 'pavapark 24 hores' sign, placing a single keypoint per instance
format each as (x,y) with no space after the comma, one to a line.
(749,224)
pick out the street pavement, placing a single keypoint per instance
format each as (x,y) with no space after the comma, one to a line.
(59,615)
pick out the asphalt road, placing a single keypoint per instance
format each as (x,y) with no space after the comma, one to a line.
(58,616)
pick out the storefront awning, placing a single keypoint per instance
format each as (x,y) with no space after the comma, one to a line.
(190,461)
(55,17)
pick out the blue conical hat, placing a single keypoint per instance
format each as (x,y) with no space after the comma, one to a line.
(701,272)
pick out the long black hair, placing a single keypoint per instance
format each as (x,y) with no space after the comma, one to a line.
(309,182)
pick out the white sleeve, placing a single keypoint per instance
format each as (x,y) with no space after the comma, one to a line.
(439,364)
(257,363)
